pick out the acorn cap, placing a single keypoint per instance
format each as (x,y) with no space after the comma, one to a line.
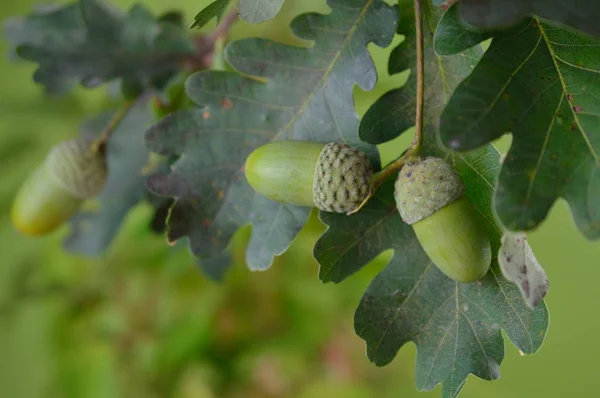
(76,168)
(424,186)
(342,178)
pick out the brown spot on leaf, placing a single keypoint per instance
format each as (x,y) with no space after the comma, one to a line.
(525,286)
(554,156)
(206,115)
(569,97)
(206,223)
(220,194)
(505,96)
(578,109)
(226,103)
(573,127)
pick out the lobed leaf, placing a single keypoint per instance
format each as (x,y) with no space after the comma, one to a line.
(93,230)
(302,94)
(257,11)
(538,82)
(579,14)
(456,326)
(213,10)
(92,43)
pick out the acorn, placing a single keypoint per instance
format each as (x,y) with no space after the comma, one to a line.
(430,196)
(333,177)
(71,173)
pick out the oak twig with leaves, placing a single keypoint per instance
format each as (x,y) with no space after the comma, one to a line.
(197,108)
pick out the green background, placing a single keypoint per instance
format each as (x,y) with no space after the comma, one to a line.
(142,322)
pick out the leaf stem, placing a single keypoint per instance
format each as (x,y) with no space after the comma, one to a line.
(416,144)
(113,124)
(380,177)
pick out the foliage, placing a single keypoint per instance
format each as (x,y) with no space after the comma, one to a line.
(536,80)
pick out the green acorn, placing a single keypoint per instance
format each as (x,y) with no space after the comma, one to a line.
(333,177)
(70,174)
(430,196)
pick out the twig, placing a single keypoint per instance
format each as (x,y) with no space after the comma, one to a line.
(396,165)
(207,45)
(223,28)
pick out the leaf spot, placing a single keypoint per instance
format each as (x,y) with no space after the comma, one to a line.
(206,115)
(577,109)
(226,103)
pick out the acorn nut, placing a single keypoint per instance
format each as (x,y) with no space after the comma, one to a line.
(333,177)
(70,174)
(430,196)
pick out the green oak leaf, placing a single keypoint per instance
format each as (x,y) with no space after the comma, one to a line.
(257,11)
(538,82)
(487,14)
(451,36)
(213,10)
(456,326)
(91,42)
(93,230)
(302,94)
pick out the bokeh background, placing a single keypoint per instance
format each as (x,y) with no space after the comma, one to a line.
(142,321)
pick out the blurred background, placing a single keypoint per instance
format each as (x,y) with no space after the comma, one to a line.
(143,322)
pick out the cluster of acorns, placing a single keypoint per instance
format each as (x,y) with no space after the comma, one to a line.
(332,177)
(335,177)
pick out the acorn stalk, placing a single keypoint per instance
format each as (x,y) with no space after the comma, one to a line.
(333,177)
(430,196)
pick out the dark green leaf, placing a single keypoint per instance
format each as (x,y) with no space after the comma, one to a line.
(307,96)
(540,83)
(456,326)
(579,14)
(213,10)
(93,43)
(257,11)
(33,31)
(93,231)
(451,37)
(173,17)
(216,267)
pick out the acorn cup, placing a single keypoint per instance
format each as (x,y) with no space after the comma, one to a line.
(71,173)
(430,196)
(332,177)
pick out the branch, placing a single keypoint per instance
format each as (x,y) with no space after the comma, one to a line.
(206,45)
